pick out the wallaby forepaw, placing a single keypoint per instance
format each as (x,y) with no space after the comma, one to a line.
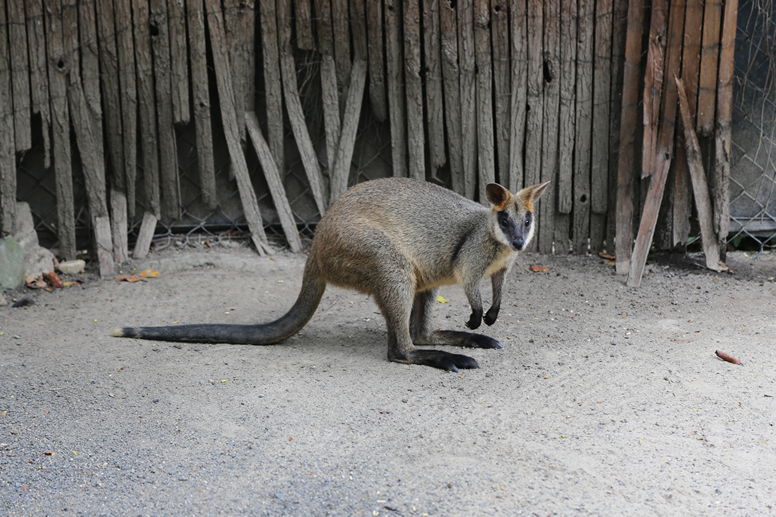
(491,315)
(475,320)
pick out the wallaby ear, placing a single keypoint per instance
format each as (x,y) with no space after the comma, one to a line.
(538,190)
(497,195)
(530,194)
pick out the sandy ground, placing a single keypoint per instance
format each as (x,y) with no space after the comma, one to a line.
(605,400)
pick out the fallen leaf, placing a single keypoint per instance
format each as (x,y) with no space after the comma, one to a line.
(607,256)
(538,269)
(610,262)
(129,278)
(36,282)
(727,357)
(441,299)
(53,280)
(149,273)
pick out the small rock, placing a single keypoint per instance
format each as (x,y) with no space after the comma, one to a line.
(72,267)
(3,300)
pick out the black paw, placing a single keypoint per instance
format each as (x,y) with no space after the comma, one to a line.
(482,341)
(443,360)
(475,320)
(491,315)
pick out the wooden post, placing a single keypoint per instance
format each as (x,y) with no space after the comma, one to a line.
(534,118)
(304,28)
(272,86)
(250,204)
(707,85)
(145,236)
(466,70)
(394,68)
(519,70)
(435,123)
(551,113)
(653,84)
(128,97)
(452,94)
(700,187)
(374,17)
(413,90)
(179,68)
(17,31)
(90,72)
(7,150)
(626,158)
(584,126)
(501,91)
(341,172)
(38,71)
(486,164)
(239,17)
(341,30)
(723,147)
(620,16)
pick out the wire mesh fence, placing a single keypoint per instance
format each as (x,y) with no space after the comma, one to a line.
(753,168)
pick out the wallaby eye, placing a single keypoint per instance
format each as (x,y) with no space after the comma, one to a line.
(528,219)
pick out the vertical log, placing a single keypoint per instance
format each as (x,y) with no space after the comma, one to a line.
(17,31)
(563,187)
(341,172)
(413,90)
(707,85)
(90,72)
(248,199)
(128,96)
(626,158)
(374,17)
(619,24)
(179,65)
(452,94)
(486,165)
(239,16)
(38,75)
(358,23)
(341,30)
(501,92)
(295,112)
(533,143)
(304,28)
(435,123)
(272,85)
(519,70)
(723,147)
(653,84)
(7,150)
(200,93)
(552,78)
(274,182)
(168,157)
(582,150)
(467,81)
(394,68)
(599,191)
(58,68)
(329,93)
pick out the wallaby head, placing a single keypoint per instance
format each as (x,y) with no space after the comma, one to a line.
(512,216)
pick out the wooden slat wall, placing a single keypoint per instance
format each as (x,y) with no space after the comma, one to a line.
(515,91)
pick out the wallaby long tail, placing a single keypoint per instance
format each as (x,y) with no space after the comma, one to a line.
(286,326)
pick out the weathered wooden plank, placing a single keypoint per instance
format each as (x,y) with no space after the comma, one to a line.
(340,24)
(146,100)
(145,236)
(435,122)
(304,27)
(501,92)
(395,71)
(629,119)
(295,111)
(36,40)
(250,204)
(707,83)
(109,87)
(452,93)
(550,129)
(57,71)
(179,64)
(200,94)
(358,25)
(723,147)
(168,156)
(17,31)
(413,90)
(240,19)
(518,100)
(486,163)
(128,97)
(103,244)
(699,185)
(468,84)
(653,84)
(374,19)
(341,172)
(90,71)
(602,80)
(583,141)
(566,115)
(119,225)
(274,182)
(619,25)
(273,89)
(7,149)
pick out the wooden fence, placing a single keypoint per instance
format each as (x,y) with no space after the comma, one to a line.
(471,91)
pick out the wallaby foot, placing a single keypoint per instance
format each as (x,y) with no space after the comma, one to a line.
(440,359)
(458,338)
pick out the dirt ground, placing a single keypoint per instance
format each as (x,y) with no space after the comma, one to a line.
(605,400)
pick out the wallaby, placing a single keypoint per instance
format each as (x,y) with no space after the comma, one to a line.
(398,239)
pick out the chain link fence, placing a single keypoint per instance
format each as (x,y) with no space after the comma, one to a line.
(753,168)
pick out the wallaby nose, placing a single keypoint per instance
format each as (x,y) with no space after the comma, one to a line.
(518,243)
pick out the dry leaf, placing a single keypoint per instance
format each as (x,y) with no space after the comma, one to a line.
(53,280)
(727,357)
(607,256)
(129,278)
(441,299)
(538,269)
(610,262)
(36,283)
(149,273)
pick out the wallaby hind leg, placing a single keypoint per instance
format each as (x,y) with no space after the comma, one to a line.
(420,325)
(395,300)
